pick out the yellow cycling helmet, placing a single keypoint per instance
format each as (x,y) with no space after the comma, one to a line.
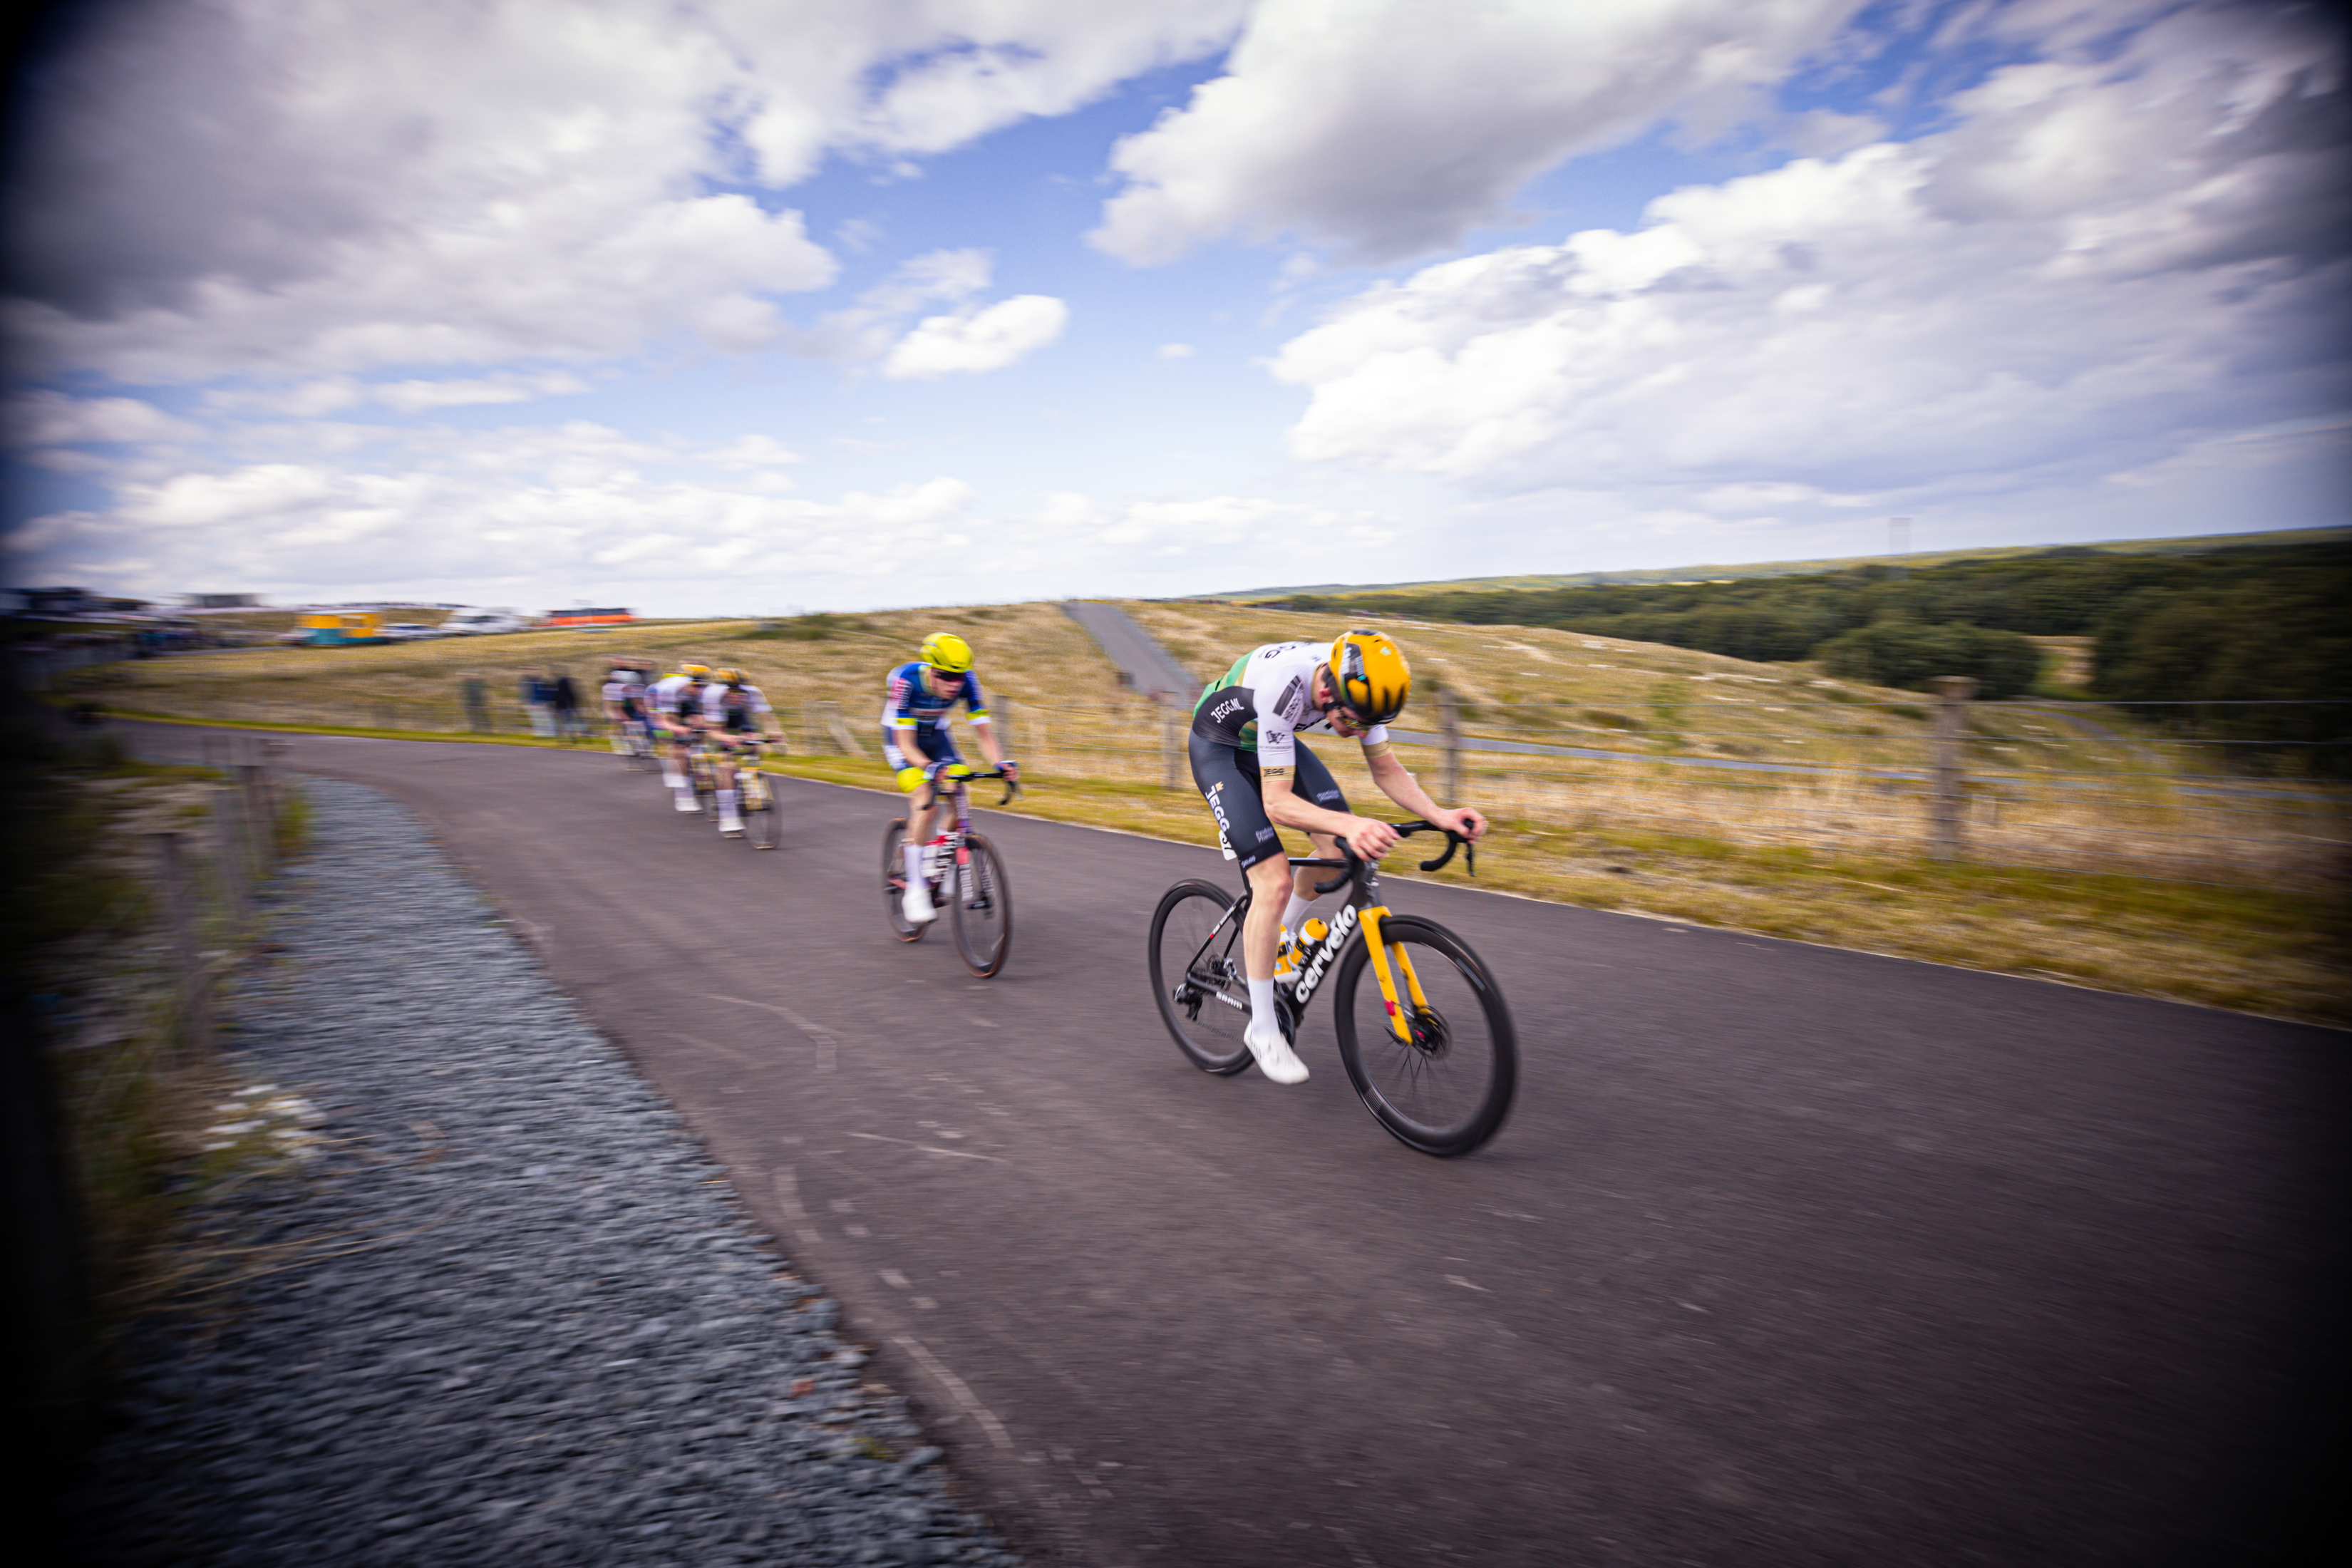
(694,671)
(947,651)
(728,677)
(1369,676)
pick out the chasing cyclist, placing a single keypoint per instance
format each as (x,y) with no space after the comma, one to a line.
(734,714)
(674,703)
(623,695)
(1256,777)
(917,742)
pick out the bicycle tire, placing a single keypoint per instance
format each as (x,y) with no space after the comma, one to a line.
(1199,993)
(1396,1081)
(983,912)
(764,824)
(894,882)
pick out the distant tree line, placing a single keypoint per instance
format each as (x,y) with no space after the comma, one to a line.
(2257,624)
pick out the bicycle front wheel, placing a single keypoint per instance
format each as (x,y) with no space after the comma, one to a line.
(894,882)
(982,908)
(1196,975)
(762,823)
(1447,1089)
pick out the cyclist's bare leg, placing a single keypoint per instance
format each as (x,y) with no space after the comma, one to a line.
(1270,883)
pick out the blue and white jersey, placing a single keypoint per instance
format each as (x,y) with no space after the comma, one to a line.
(913,703)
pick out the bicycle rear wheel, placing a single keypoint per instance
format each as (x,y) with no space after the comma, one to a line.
(1448,1090)
(894,882)
(762,823)
(1196,975)
(982,908)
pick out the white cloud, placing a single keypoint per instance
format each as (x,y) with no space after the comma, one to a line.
(56,419)
(1387,127)
(312,188)
(2106,255)
(1175,351)
(415,396)
(983,340)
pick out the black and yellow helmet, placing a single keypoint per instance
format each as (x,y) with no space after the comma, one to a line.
(1369,674)
(948,652)
(694,671)
(728,677)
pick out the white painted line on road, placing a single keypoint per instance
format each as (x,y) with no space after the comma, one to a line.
(895,1279)
(828,1048)
(1458,1280)
(788,1195)
(926,1148)
(963,1395)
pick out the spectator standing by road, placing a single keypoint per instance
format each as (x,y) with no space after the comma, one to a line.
(538,702)
(564,698)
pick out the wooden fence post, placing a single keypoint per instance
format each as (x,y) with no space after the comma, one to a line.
(1175,764)
(1449,732)
(1952,695)
(234,884)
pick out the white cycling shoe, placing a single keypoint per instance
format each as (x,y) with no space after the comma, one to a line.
(686,801)
(916,905)
(1275,1057)
(731,827)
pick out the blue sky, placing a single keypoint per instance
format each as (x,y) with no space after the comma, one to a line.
(733,306)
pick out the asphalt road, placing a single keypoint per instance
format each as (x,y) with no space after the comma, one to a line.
(1150,668)
(1790,1254)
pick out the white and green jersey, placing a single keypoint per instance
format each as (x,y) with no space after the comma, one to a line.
(1267,699)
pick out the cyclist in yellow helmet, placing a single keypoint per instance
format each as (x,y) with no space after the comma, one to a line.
(674,705)
(733,714)
(1256,777)
(917,742)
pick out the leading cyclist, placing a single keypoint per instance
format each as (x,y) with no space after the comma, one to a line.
(1256,777)
(917,743)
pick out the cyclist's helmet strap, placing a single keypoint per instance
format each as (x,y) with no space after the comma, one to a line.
(1369,676)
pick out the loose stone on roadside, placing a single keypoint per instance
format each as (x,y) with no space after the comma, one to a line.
(493,1312)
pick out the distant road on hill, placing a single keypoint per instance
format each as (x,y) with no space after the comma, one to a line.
(1149,668)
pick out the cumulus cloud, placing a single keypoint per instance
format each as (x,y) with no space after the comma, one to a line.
(982,340)
(2109,253)
(57,419)
(1385,128)
(314,188)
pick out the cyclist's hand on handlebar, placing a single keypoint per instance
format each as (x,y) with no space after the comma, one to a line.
(1012,769)
(1370,838)
(1469,824)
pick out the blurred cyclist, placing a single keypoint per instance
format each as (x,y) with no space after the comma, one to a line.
(674,703)
(734,713)
(917,742)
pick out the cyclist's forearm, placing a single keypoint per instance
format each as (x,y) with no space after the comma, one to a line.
(1285,809)
(914,752)
(1399,784)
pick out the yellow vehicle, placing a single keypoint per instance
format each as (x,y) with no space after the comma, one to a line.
(339,628)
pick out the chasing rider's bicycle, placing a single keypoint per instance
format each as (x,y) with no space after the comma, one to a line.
(755,798)
(966,876)
(1430,1049)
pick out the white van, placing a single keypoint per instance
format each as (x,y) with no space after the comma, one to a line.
(463,621)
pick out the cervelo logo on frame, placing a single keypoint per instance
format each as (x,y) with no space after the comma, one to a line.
(1343,926)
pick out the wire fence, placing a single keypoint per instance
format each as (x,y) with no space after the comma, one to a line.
(2020,783)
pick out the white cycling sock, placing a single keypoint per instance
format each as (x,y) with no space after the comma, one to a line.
(726,803)
(914,864)
(1292,910)
(674,779)
(1262,1008)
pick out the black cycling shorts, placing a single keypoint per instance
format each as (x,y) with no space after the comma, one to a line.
(1229,783)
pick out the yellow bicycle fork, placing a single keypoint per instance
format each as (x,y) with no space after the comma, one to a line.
(1371,919)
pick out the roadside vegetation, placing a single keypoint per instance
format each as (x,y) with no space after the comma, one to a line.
(1829,852)
(2251,624)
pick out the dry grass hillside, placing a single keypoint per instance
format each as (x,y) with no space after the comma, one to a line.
(1762,797)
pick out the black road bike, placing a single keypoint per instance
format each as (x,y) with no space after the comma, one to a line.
(1428,1046)
(965,874)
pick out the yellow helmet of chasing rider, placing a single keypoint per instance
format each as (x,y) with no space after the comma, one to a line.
(947,652)
(1368,675)
(694,671)
(728,677)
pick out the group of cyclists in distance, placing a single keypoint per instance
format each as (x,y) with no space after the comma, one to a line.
(1246,759)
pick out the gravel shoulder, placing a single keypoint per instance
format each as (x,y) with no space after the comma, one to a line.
(482,1298)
